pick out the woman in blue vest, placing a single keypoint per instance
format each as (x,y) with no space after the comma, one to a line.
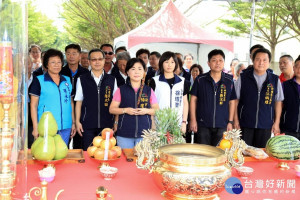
(134,103)
(52,92)
(171,90)
(290,121)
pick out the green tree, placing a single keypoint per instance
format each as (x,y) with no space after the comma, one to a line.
(41,30)
(269,26)
(292,15)
(92,22)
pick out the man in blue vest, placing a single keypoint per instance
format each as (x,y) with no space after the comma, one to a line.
(212,101)
(260,97)
(94,93)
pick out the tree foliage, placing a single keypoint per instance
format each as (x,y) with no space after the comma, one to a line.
(10,20)
(41,30)
(269,27)
(93,22)
(292,15)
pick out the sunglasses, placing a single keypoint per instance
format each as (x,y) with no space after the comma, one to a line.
(108,52)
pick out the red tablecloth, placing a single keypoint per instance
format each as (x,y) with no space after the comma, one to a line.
(81,180)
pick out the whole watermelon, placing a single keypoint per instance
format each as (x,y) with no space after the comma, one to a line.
(284,147)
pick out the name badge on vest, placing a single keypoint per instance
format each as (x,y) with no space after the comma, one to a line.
(144,100)
(222,94)
(107,95)
(178,98)
(269,94)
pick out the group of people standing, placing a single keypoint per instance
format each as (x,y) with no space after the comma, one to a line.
(125,94)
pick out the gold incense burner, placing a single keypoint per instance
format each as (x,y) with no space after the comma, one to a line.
(190,171)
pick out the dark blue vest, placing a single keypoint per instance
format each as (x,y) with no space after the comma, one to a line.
(95,105)
(131,126)
(291,107)
(256,109)
(213,108)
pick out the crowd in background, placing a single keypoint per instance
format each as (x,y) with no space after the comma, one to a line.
(106,88)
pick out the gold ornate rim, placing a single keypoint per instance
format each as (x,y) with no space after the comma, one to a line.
(174,153)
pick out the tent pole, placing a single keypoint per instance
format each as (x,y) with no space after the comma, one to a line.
(198,49)
(252,27)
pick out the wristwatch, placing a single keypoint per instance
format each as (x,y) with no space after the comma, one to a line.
(230,122)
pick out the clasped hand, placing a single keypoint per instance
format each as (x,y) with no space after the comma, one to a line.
(136,111)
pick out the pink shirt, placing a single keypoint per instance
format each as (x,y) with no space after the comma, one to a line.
(117,96)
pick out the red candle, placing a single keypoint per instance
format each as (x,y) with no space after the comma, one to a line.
(6,73)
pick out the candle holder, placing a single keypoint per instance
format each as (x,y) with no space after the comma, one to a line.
(13,100)
(42,191)
(102,193)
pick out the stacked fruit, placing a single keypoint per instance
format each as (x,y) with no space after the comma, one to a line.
(105,143)
(49,145)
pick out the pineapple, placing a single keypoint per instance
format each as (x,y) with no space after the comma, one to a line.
(167,132)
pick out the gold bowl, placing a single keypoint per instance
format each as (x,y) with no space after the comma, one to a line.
(104,163)
(191,171)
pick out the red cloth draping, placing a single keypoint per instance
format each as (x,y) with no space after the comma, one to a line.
(81,180)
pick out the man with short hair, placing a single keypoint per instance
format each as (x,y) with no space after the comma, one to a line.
(154,60)
(188,62)
(252,50)
(120,49)
(73,70)
(153,70)
(286,63)
(144,55)
(84,61)
(260,97)
(94,94)
(212,101)
(109,66)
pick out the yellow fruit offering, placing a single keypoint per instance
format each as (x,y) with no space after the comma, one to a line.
(225,144)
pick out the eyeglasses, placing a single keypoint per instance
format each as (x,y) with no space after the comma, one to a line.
(97,59)
(108,52)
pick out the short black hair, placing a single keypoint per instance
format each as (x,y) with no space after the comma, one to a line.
(196,66)
(166,56)
(180,63)
(179,55)
(107,45)
(297,59)
(262,50)
(34,45)
(73,46)
(141,51)
(216,52)
(257,46)
(132,61)
(95,50)
(52,53)
(157,55)
(287,56)
(120,48)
